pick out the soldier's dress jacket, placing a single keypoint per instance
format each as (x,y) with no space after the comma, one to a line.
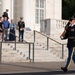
(71,36)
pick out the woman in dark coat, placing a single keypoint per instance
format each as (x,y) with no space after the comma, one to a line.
(12,31)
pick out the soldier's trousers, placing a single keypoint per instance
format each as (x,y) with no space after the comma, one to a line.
(71,56)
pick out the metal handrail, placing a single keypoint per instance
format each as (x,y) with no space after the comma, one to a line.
(15,45)
(52,40)
(48,37)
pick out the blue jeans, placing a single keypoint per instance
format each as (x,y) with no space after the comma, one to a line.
(21,35)
(71,56)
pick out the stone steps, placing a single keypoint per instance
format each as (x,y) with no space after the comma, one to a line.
(41,53)
(54,47)
(10,55)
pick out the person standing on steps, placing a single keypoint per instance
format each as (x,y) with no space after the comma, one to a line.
(6,24)
(12,27)
(21,26)
(1,28)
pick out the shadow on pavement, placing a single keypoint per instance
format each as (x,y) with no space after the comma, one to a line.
(45,73)
(48,71)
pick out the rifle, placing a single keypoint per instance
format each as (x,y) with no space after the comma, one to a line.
(64,33)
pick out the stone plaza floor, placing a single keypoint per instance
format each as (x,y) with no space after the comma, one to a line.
(36,68)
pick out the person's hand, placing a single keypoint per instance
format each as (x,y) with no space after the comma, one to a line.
(23,28)
(61,37)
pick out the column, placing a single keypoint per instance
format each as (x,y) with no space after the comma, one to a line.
(0,8)
(12,7)
(58,9)
(27,12)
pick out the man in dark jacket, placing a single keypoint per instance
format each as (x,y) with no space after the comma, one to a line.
(70,44)
(21,25)
(5,14)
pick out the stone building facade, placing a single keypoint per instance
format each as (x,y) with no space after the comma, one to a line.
(32,11)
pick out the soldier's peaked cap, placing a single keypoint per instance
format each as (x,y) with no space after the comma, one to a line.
(71,19)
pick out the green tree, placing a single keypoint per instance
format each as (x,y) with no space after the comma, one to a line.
(68,8)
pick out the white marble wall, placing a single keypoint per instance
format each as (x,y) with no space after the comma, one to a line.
(0,8)
(18,10)
(54,9)
(29,13)
(26,9)
(58,9)
(53,27)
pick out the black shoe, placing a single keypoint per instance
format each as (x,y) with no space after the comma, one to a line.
(64,69)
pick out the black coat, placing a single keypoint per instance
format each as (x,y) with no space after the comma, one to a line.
(1,23)
(71,36)
(21,24)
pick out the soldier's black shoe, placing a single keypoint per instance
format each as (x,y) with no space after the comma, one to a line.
(64,69)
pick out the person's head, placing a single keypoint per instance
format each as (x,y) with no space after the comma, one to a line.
(7,10)
(21,18)
(5,18)
(12,21)
(72,20)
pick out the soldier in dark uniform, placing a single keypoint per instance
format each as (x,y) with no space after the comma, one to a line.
(70,32)
(66,27)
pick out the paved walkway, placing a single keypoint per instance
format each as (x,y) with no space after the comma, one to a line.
(40,68)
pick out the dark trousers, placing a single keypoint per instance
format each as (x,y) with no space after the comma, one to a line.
(5,33)
(71,56)
(21,35)
(12,35)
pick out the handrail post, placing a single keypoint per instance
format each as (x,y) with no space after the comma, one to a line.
(0,51)
(34,35)
(15,42)
(29,49)
(62,51)
(33,52)
(47,43)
